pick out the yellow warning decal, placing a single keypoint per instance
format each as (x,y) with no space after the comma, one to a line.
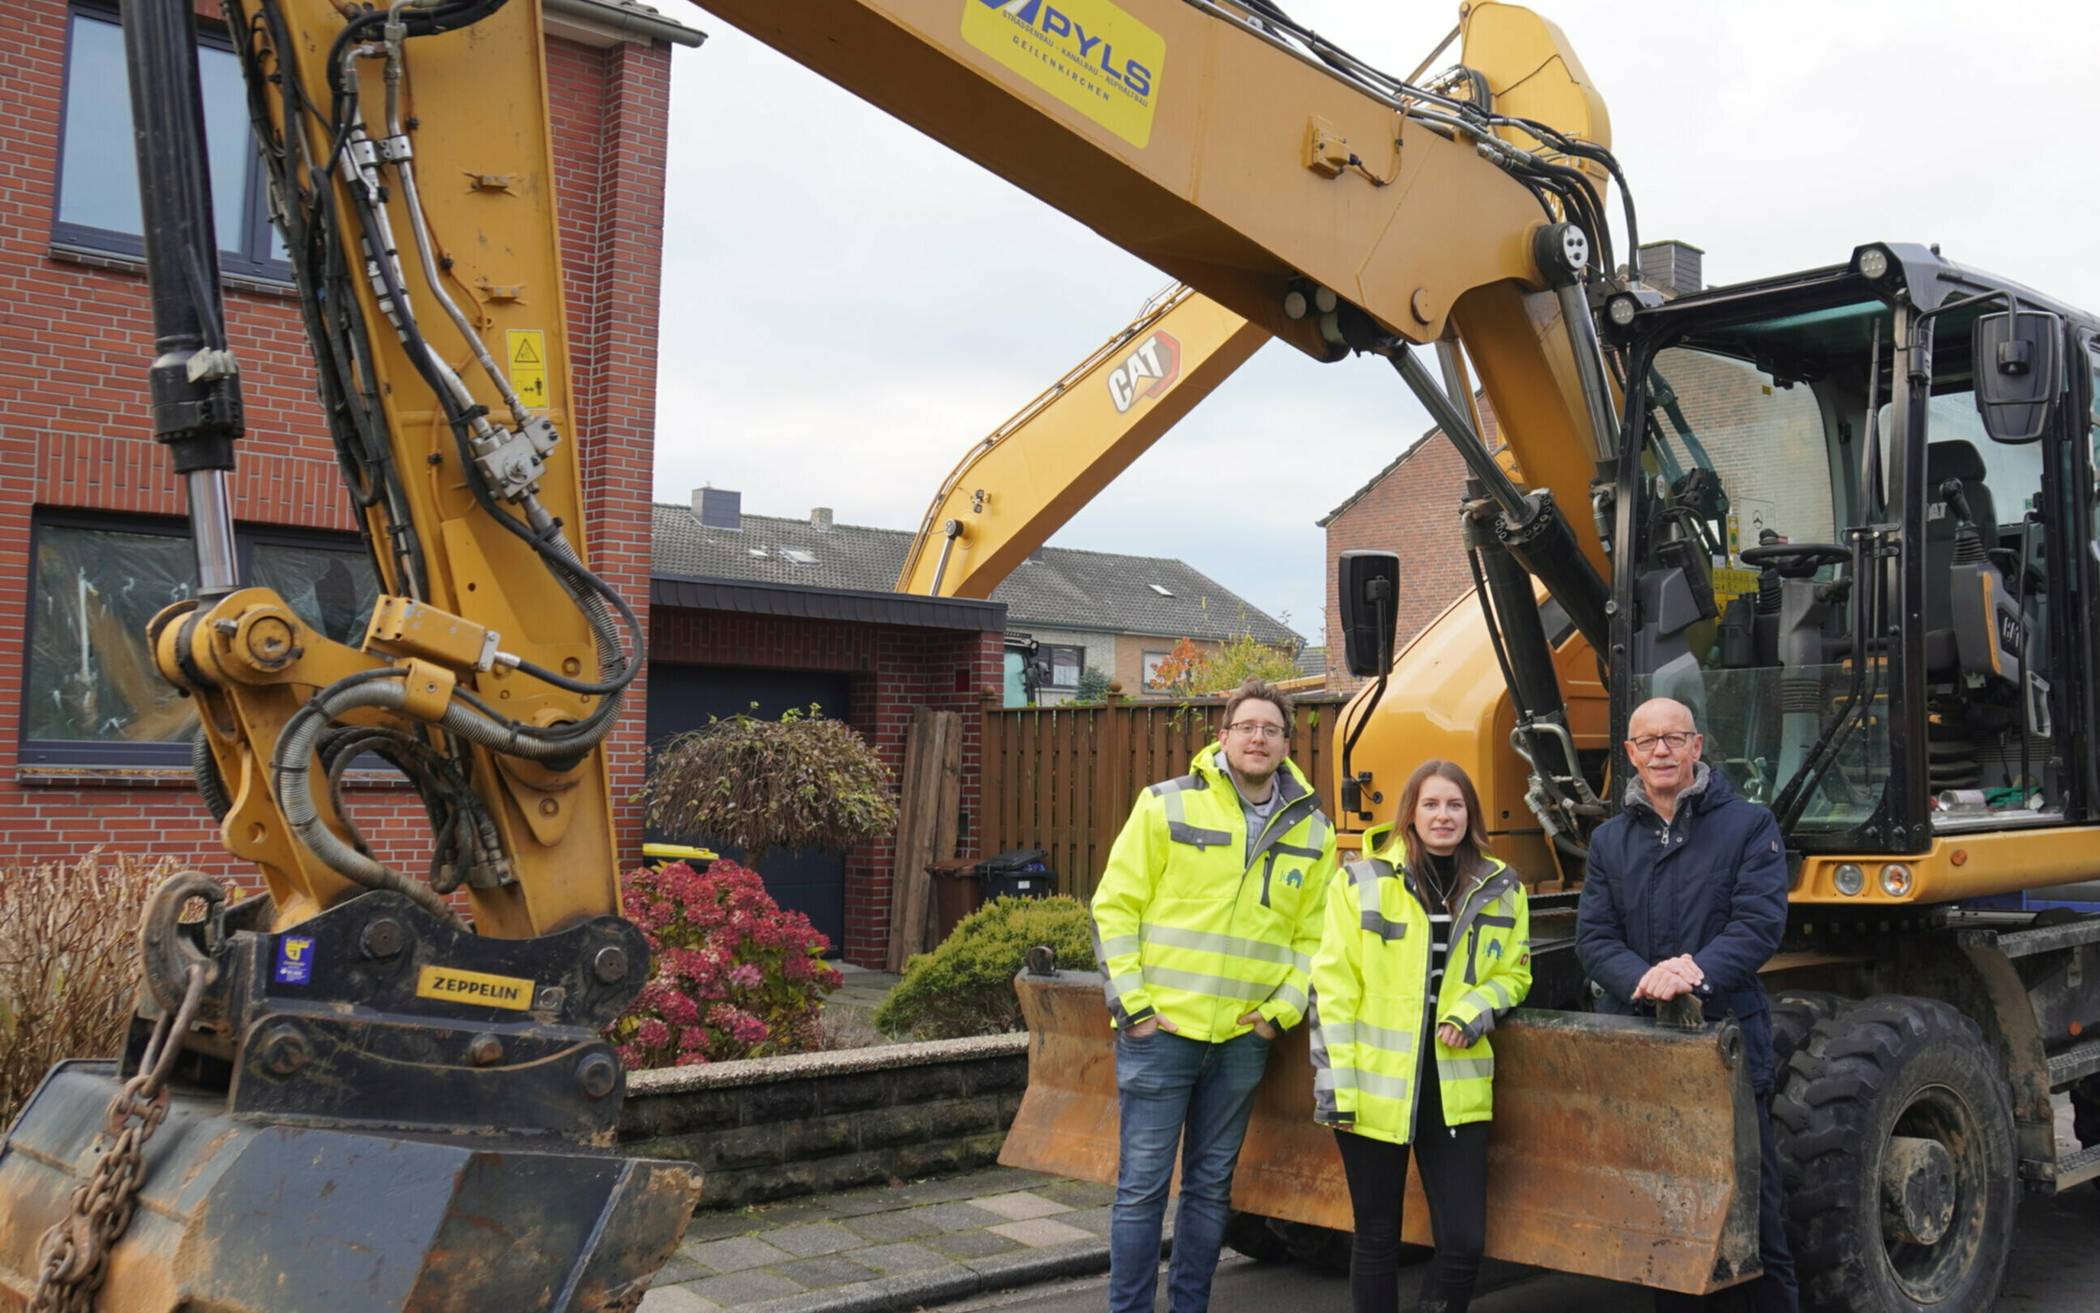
(528,365)
(475,987)
(1087,53)
(1731,581)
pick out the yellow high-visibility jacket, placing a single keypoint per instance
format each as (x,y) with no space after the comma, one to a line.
(1187,928)
(1372,1015)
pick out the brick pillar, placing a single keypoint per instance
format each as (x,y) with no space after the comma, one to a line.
(618,425)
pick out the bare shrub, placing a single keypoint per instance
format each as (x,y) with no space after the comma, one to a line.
(69,969)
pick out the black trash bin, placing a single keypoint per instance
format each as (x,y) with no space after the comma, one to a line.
(1019,873)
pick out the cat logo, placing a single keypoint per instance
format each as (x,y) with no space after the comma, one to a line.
(1295,879)
(1146,372)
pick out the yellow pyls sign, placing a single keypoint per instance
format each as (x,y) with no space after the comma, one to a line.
(528,365)
(476,987)
(1088,53)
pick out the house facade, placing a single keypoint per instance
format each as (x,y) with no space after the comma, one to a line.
(93,746)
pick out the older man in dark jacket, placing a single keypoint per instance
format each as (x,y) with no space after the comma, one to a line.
(1686,894)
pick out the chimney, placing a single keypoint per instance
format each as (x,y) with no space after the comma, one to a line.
(1672,267)
(719,508)
(820,519)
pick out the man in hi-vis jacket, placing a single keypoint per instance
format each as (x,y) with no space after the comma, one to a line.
(1205,922)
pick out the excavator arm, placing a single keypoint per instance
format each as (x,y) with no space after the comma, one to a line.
(394,1106)
(1033,473)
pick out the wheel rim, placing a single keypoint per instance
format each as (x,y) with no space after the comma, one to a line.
(1930,1273)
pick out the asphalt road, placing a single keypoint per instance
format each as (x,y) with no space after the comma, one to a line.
(2055,1268)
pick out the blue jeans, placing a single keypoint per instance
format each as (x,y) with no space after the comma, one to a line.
(1167,1086)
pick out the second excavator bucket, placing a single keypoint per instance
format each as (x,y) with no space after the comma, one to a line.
(1620,1148)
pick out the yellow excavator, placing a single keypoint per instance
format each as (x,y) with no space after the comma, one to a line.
(1833,511)
(1845,513)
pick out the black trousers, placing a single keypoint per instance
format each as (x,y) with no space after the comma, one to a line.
(1775,1290)
(1453,1163)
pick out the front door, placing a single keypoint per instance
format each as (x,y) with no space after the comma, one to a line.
(684,698)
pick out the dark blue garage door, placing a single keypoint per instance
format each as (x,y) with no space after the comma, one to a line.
(684,697)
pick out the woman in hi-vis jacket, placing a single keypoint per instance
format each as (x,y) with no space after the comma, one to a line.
(1426,942)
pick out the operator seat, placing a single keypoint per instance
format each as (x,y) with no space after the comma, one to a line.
(1955,459)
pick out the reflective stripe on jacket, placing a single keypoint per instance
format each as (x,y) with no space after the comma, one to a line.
(1186,929)
(1371,1005)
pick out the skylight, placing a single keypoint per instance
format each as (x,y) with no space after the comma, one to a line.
(1163,592)
(758,552)
(796,556)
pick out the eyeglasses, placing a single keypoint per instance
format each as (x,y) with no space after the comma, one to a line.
(1675,740)
(1255,729)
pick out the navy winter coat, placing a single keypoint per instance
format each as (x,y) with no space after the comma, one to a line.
(1711,883)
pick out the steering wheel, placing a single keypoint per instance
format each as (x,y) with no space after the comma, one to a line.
(1795,560)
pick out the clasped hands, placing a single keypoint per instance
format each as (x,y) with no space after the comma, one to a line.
(1668,979)
(1452,1036)
(1262,1026)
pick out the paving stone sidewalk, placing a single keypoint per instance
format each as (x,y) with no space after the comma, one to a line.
(886,1248)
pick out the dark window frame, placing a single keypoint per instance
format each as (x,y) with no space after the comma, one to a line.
(1047,653)
(35,753)
(253,261)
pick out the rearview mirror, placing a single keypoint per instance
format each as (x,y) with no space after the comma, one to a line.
(1370,594)
(2016,359)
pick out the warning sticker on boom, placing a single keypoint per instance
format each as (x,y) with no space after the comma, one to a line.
(1087,53)
(476,987)
(528,365)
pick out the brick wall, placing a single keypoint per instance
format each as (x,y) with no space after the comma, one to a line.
(894,669)
(75,340)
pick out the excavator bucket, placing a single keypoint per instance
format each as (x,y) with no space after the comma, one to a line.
(1621,1149)
(243,1216)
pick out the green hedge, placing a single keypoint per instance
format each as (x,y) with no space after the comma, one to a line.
(966,986)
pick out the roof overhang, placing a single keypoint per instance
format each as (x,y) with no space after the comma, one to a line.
(604,23)
(800,602)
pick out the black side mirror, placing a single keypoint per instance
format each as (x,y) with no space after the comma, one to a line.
(2018,366)
(1370,589)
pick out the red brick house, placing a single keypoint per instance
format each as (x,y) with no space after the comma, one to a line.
(93,745)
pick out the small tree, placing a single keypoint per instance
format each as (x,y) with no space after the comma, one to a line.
(1240,659)
(1178,669)
(798,782)
(1092,689)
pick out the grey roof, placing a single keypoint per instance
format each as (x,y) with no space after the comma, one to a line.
(802,602)
(1101,592)
(1312,661)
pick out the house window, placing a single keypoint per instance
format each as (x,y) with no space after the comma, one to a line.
(92,694)
(1152,663)
(1065,664)
(98,183)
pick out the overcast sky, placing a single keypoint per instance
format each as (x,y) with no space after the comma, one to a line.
(846,308)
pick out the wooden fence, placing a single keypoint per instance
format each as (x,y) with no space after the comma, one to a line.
(1063,778)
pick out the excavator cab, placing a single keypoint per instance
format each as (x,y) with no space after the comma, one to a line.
(1839,561)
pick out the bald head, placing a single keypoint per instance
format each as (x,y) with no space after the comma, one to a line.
(1659,716)
(1664,746)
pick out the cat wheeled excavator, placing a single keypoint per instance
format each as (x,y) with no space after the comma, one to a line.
(1847,514)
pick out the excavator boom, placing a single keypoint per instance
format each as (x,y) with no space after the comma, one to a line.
(1034,472)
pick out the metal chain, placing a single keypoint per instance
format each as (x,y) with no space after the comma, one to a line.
(74,1253)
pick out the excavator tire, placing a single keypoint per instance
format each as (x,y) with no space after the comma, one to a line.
(1794,1014)
(1877,1082)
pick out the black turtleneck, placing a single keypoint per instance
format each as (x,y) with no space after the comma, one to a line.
(1438,889)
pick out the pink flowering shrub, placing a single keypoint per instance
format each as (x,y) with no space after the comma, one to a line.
(732,975)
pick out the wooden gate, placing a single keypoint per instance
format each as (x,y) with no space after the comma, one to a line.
(1063,778)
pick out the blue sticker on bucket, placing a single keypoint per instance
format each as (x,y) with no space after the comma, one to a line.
(295,960)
